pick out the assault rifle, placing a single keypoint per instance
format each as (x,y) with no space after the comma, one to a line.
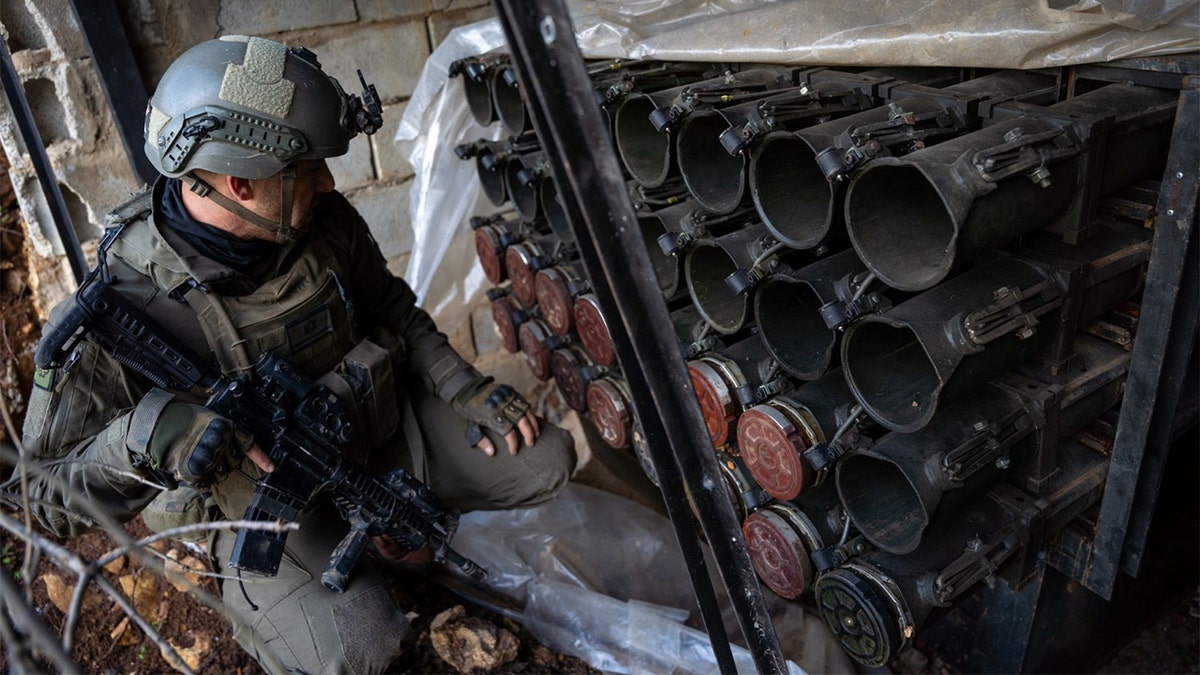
(299,423)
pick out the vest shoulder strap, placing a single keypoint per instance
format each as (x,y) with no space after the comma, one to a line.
(138,206)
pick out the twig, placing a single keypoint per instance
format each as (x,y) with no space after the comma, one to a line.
(175,532)
(99,517)
(29,563)
(43,639)
(75,563)
(116,471)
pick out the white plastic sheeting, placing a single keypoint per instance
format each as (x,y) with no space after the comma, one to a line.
(601,578)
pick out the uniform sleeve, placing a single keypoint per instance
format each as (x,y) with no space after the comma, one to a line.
(384,300)
(77,428)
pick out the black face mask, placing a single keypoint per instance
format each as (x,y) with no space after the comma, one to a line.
(219,245)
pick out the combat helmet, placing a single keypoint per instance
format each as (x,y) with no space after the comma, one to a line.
(251,107)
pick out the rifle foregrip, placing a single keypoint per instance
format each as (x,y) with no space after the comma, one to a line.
(337,571)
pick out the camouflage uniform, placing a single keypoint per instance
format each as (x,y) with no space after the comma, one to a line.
(312,302)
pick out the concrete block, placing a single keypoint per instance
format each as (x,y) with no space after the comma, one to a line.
(265,17)
(442,23)
(43,237)
(397,264)
(385,10)
(451,5)
(20,26)
(487,340)
(512,369)
(385,208)
(63,112)
(160,30)
(460,331)
(43,24)
(390,164)
(63,35)
(100,181)
(391,57)
(354,169)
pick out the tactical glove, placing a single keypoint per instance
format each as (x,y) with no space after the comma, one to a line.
(194,444)
(496,406)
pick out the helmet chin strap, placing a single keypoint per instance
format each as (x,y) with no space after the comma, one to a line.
(281,232)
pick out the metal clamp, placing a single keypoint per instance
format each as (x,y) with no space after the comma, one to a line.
(1024,153)
(1010,314)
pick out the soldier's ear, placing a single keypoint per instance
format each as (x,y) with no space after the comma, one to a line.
(241,189)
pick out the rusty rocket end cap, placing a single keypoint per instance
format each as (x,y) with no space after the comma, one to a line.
(504,315)
(716,400)
(532,337)
(777,553)
(610,411)
(550,288)
(567,367)
(593,331)
(487,247)
(771,447)
(518,261)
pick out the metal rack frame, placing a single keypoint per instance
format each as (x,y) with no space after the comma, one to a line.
(550,69)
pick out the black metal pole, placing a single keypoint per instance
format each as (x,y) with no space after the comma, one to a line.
(19,106)
(119,76)
(556,86)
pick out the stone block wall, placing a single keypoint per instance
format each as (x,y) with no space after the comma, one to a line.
(388,39)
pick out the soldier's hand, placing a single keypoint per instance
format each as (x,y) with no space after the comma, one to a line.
(500,408)
(261,460)
(198,446)
(390,551)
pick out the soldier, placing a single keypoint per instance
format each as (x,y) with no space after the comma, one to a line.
(243,246)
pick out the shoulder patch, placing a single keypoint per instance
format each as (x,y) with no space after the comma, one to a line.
(43,378)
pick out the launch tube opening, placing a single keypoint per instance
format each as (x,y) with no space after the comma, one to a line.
(900,226)
(479,100)
(645,151)
(882,502)
(524,197)
(714,177)
(666,267)
(510,107)
(553,210)
(890,374)
(790,192)
(706,268)
(789,321)
(492,181)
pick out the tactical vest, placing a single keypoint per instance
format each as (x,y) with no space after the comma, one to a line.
(303,314)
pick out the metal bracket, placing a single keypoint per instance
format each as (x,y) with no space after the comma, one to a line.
(1009,314)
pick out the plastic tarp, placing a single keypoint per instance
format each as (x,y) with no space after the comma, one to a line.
(599,577)
(1021,34)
